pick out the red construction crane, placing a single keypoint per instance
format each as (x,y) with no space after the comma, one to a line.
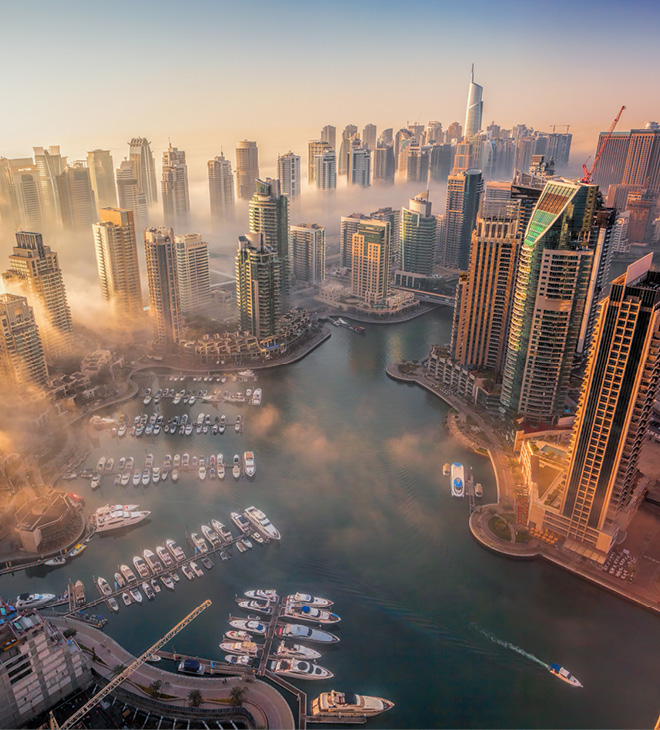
(586,174)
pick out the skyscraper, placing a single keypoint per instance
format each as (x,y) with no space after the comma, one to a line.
(288,173)
(192,265)
(21,194)
(359,165)
(50,164)
(418,228)
(258,286)
(643,159)
(35,273)
(475,108)
(315,147)
(176,198)
(247,169)
(393,217)
(329,135)
(350,130)
(308,252)
(77,201)
(117,262)
(609,168)
(369,136)
(143,168)
(102,177)
(615,407)
(463,198)
(325,170)
(414,163)
(347,227)
(370,272)
(21,351)
(221,188)
(130,196)
(269,214)
(162,276)
(382,159)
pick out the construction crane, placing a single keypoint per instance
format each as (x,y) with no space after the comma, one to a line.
(114,683)
(554,126)
(586,174)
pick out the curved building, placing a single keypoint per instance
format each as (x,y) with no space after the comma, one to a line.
(475,108)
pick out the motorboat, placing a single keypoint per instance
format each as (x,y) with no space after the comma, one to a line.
(202,472)
(258,538)
(79,548)
(116,519)
(260,606)
(109,466)
(246,542)
(199,542)
(222,425)
(155,475)
(176,462)
(130,462)
(148,591)
(225,534)
(191,666)
(141,567)
(239,659)
(152,561)
(237,636)
(296,651)
(126,599)
(34,600)
(187,571)
(112,604)
(128,574)
(248,461)
(164,556)
(478,490)
(299,669)
(237,425)
(103,586)
(167,461)
(564,675)
(125,478)
(175,475)
(149,461)
(241,522)
(100,465)
(445,470)
(79,593)
(167,582)
(185,461)
(303,612)
(267,594)
(164,475)
(305,598)
(305,633)
(55,562)
(206,562)
(146,477)
(136,595)
(137,477)
(121,431)
(242,547)
(457,480)
(211,535)
(212,473)
(262,523)
(240,647)
(96,481)
(174,575)
(175,550)
(122,463)
(155,585)
(120,581)
(347,704)
(153,658)
(196,569)
(188,429)
(249,625)
(256,397)
(221,471)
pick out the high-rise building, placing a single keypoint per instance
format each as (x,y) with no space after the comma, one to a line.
(34,272)
(559,149)
(463,198)
(163,280)
(130,196)
(386,136)
(615,407)
(612,162)
(22,360)
(174,187)
(143,168)
(221,188)
(50,164)
(258,286)
(382,162)
(247,169)
(551,301)
(440,162)
(21,194)
(308,252)
(315,147)
(329,135)
(393,217)
(369,136)
(359,165)
(475,108)
(288,173)
(192,265)
(402,136)
(350,131)
(484,294)
(102,177)
(454,133)
(433,133)
(269,214)
(620,240)
(370,272)
(418,229)
(347,227)
(640,204)
(325,170)
(117,262)
(414,163)
(643,159)
(77,202)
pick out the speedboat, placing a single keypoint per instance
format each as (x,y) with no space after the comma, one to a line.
(241,522)
(116,519)
(136,595)
(445,470)
(100,466)
(299,669)
(457,480)
(146,477)
(112,604)
(128,574)
(167,461)
(347,704)
(164,556)
(256,397)
(222,425)
(196,569)
(152,658)
(79,548)
(296,651)
(262,523)
(199,542)
(53,562)
(188,429)
(176,462)
(122,463)
(248,460)
(149,461)
(185,461)
(137,477)
(211,535)
(260,606)
(309,600)
(299,612)
(120,581)
(224,533)
(240,659)
(267,594)
(109,465)
(212,473)
(237,425)
(202,472)
(237,636)
(206,562)
(187,571)
(175,475)
(103,586)
(167,582)
(245,624)
(258,538)
(148,591)
(141,567)
(121,432)
(155,585)
(126,599)
(478,490)
(242,547)
(246,542)
(221,471)
(305,633)
(177,552)
(564,675)
(240,647)
(33,600)
(125,478)
(155,475)
(129,462)
(96,481)
(152,561)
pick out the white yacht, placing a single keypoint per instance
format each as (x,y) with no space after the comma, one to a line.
(137,477)
(260,606)
(347,704)
(305,633)
(303,612)
(34,600)
(164,556)
(199,542)
(152,561)
(256,397)
(262,523)
(299,669)
(141,567)
(103,586)
(177,552)
(225,534)
(308,600)
(128,574)
(148,591)
(136,595)
(196,569)
(269,594)
(202,472)
(457,480)
(117,518)
(243,660)
(241,522)
(248,648)
(211,535)
(564,675)
(248,461)
(296,651)
(253,626)
(96,481)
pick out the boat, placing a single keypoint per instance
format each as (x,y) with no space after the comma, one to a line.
(148,591)
(100,465)
(109,465)
(175,550)
(149,461)
(222,425)
(128,574)
(248,460)
(260,606)
(155,475)
(175,475)
(314,615)
(146,477)
(221,471)
(120,581)
(167,461)
(122,463)
(196,569)
(139,430)
(79,548)
(246,542)
(564,675)
(117,480)
(129,463)
(112,604)
(167,582)
(309,600)
(137,477)
(211,535)
(147,399)
(103,586)
(268,594)
(141,567)
(136,595)
(256,397)
(155,585)
(241,522)
(262,523)
(258,538)
(212,473)
(177,399)
(199,542)
(33,600)
(237,636)
(116,519)
(241,659)
(300,669)
(176,462)
(125,478)
(206,562)
(296,651)
(121,431)
(242,547)
(237,425)
(185,461)
(191,666)
(187,571)
(174,575)
(478,490)
(79,593)
(202,472)
(96,481)
(347,704)
(225,534)
(457,480)
(305,633)
(152,561)
(54,562)
(240,647)
(126,599)
(164,556)
(445,469)
(251,625)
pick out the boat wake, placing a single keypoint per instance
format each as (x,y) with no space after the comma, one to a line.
(515,648)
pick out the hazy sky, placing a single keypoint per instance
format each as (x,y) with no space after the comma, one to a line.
(87,74)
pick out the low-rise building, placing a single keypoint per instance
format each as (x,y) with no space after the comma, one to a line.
(47,522)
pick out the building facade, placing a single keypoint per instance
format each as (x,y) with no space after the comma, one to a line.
(269,214)
(463,198)
(308,252)
(315,147)
(418,236)
(163,280)
(347,227)
(247,169)
(288,173)
(77,202)
(325,170)
(221,188)
(174,188)
(22,360)
(102,176)
(370,271)
(192,263)
(144,168)
(475,109)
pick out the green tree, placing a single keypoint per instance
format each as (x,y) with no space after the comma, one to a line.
(237,696)
(69,633)
(118,668)
(195,698)
(154,688)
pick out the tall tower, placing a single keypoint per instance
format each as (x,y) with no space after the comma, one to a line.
(325,170)
(370,273)
(418,236)
(102,177)
(35,273)
(288,172)
(393,217)
(308,252)
(475,108)
(369,136)
(329,135)
(615,407)
(359,165)
(258,286)
(130,195)
(21,352)
(143,168)
(247,168)
(350,130)
(162,276)
(176,198)
(315,147)
(21,194)
(50,164)
(192,264)
(117,262)
(269,214)
(347,227)
(77,200)
(221,188)
(382,158)
(463,197)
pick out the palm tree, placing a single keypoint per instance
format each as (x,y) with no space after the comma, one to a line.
(154,688)
(118,668)
(237,696)
(195,698)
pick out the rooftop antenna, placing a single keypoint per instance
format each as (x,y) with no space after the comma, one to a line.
(472,73)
